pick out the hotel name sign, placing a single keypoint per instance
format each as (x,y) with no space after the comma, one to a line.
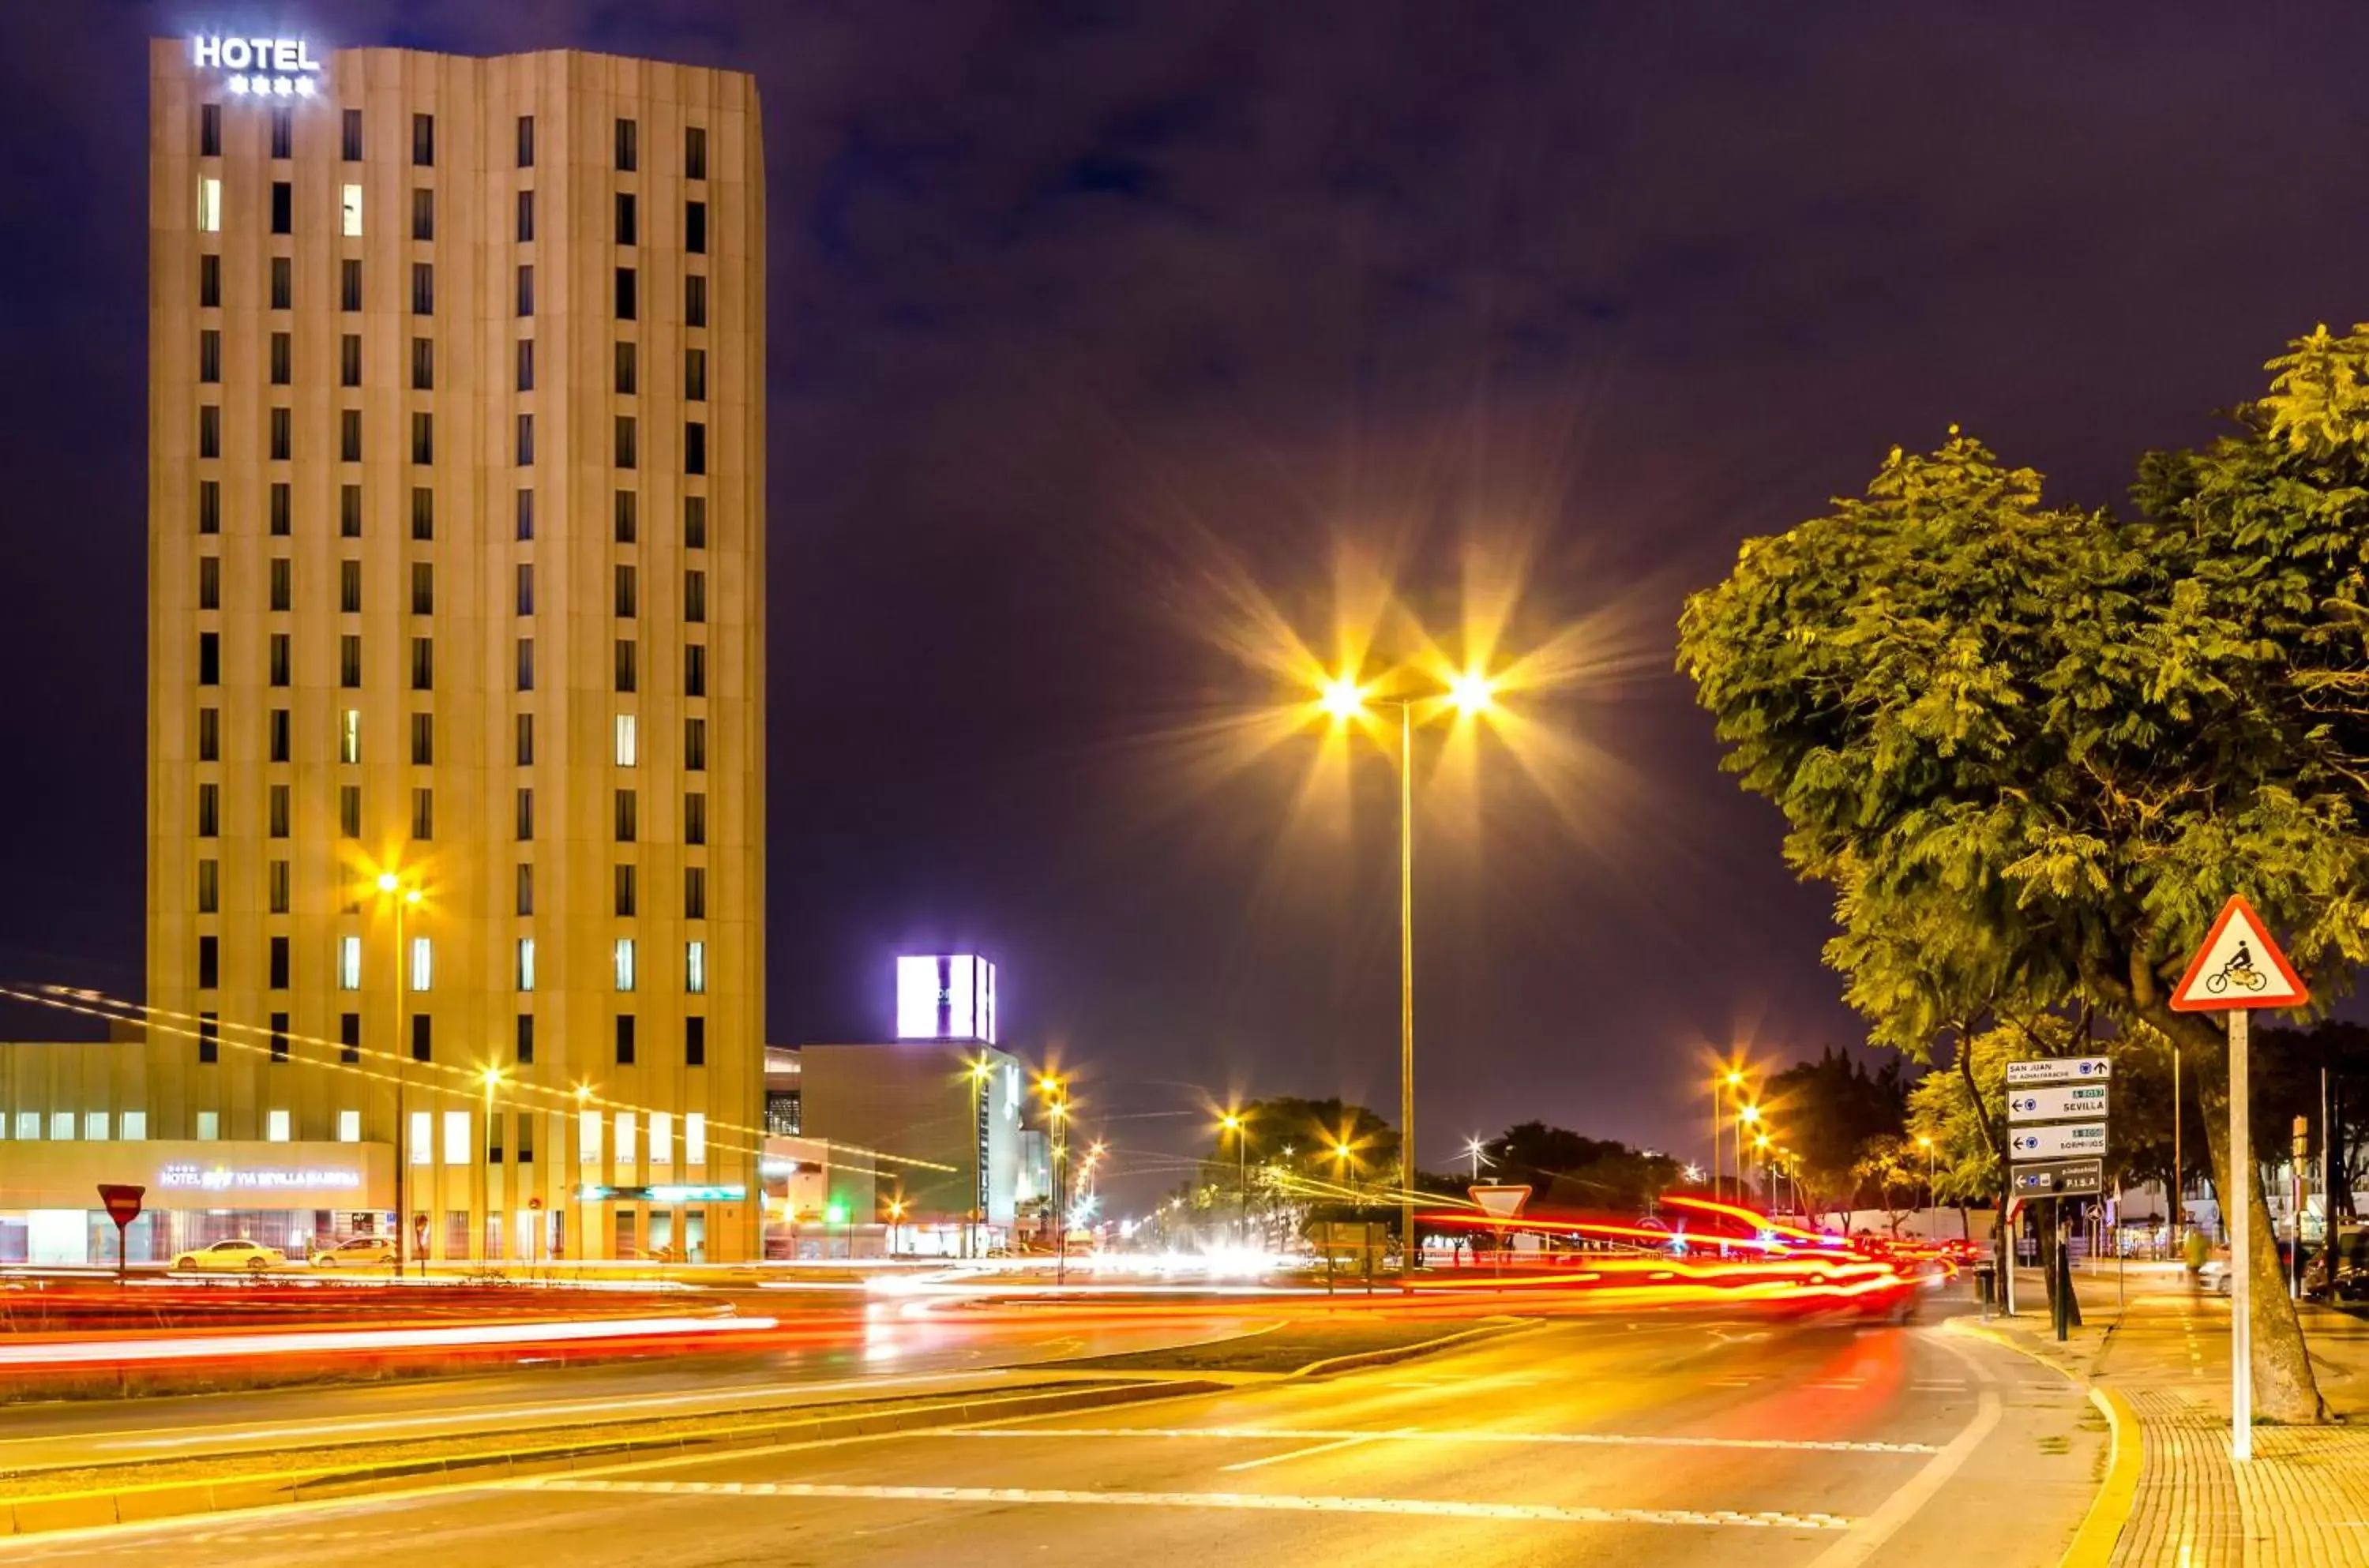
(268,67)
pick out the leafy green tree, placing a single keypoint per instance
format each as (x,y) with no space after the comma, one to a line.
(2033,748)
(1570,1170)
(1825,1111)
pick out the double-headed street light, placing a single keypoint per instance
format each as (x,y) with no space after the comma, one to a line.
(402,893)
(1469,694)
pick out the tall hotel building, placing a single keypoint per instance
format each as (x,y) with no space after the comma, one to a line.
(456,644)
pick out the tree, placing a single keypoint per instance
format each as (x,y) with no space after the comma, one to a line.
(1891,1166)
(1290,1165)
(2033,750)
(1826,1111)
(1574,1171)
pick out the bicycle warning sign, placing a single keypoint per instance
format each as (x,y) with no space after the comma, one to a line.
(2238,966)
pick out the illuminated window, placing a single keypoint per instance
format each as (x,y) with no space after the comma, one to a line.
(94,1126)
(423,965)
(627,747)
(350,963)
(694,1139)
(694,968)
(209,1125)
(134,1127)
(625,1131)
(62,1126)
(423,1138)
(525,962)
(275,1127)
(624,963)
(349,1126)
(456,1137)
(349,211)
(661,1138)
(209,205)
(28,1125)
(350,736)
(587,1137)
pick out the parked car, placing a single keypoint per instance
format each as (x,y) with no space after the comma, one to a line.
(363,1251)
(239,1252)
(2351,1281)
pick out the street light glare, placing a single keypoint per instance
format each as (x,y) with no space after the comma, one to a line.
(387,882)
(1343,698)
(1471,693)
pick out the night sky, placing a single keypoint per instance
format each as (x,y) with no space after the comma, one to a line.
(1092,326)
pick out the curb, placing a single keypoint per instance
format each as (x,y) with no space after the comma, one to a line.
(1362,1358)
(2101,1528)
(169,1500)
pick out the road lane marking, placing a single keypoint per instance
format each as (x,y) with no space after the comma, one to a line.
(1869,1534)
(1338,1435)
(1542,1513)
(1349,1442)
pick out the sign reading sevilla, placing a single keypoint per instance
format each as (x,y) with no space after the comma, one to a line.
(2239,966)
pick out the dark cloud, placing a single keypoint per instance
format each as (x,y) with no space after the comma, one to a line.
(1076,310)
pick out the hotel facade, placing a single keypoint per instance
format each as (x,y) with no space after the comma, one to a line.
(456,667)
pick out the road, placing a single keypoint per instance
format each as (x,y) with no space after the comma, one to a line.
(1659,1441)
(870,1349)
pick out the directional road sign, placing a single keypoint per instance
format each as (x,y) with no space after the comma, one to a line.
(2239,966)
(2059,1178)
(2058,1141)
(2059,1069)
(2056,1103)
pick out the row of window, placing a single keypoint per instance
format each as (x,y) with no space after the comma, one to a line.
(626,513)
(626,155)
(423,1032)
(277,810)
(349,742)
(281,364)
(279,663)
(627,295)
(282,580)
(458,1128)
(282,446)
(623,963)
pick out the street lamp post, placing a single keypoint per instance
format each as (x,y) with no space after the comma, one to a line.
(1233,1124)
(1930,1204)
(1057,1112)
(1745,1115)
(1469,694)
(405,897)
(491,1077)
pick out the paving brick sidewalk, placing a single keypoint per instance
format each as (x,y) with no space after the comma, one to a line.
(2303,1502)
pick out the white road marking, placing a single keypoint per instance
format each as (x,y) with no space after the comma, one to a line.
(1869,1534)
(1349,1442)
(1544,1513)
(1338,1435)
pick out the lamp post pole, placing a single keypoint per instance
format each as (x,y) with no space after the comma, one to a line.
(390,884)
(1411,1254)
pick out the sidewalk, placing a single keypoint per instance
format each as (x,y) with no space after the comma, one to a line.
(2163,1352)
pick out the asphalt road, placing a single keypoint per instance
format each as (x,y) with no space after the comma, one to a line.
(1662,1440)
(873,1349)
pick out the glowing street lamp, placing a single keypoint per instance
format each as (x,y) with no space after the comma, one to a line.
(401,893)
(896,1217)
(1473,1147)
(1237,1126)
(1471,693)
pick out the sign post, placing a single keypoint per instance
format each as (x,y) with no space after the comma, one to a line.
(2056,1148)
(122,1202)
(2238,969)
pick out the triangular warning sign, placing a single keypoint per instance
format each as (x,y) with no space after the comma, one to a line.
(2238,966)
(1500,1202)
